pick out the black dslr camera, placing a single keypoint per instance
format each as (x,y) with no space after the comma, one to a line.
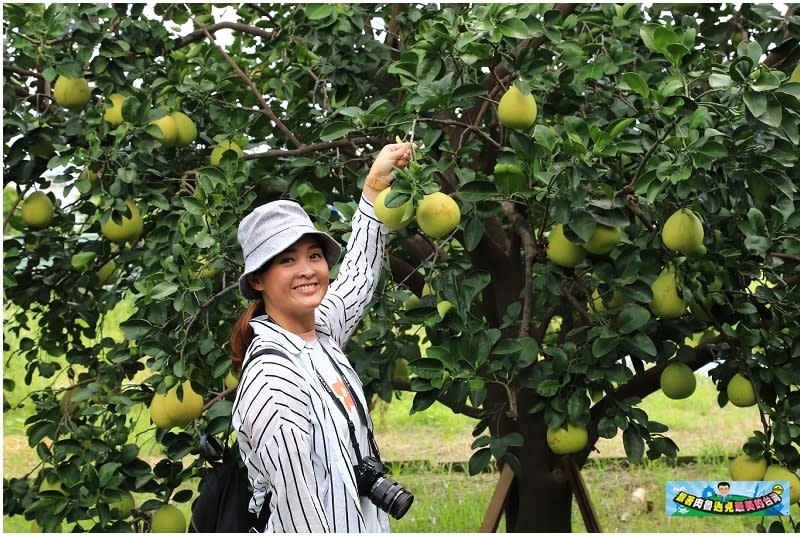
(384,492)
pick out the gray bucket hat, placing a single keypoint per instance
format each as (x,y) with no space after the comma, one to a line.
(269,230)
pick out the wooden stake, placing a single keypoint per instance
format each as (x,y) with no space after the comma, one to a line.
(492,518)
(581,494)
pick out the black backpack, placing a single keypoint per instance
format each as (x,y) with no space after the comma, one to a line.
(224,492)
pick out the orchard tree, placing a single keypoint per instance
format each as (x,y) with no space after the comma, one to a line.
(135,139)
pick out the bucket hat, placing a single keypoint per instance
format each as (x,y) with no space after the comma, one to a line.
(270,229)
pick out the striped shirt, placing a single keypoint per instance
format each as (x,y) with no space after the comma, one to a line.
(293,437)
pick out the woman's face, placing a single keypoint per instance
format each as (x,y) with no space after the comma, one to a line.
(295,282)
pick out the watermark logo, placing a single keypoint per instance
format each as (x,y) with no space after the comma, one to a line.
(724,498)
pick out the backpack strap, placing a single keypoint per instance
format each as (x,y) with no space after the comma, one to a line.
(210,448)
(265,351)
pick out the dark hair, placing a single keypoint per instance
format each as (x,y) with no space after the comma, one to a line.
(726,484)
(242,333)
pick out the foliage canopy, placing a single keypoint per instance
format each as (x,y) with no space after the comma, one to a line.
(641,111)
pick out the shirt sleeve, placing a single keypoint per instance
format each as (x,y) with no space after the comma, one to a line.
(349,294)
(275,411)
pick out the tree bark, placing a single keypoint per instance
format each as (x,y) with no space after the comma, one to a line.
(540,499)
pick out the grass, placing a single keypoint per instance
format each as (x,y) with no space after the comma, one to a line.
(627,498)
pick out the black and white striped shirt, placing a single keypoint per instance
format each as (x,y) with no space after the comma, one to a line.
(293,438)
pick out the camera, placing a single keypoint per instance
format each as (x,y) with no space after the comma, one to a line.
(384,492)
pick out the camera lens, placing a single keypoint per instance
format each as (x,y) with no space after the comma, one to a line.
(391,497)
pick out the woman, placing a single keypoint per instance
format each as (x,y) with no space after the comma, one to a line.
(298,393)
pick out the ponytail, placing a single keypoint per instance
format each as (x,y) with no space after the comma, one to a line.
(242,333)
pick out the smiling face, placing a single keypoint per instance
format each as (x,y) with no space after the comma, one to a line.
(294,284)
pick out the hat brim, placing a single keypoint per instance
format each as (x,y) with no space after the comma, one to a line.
(261,255)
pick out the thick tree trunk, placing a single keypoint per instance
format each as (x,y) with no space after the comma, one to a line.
(540,499)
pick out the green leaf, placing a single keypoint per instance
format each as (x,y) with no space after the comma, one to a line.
(135,329)
(335,130)
(477,190)
(514,28)
(755,102)
(469,91)
(751,50)
(602,346)
(162,290)
(632,317)
(319,11)
(773,115)
(637,84)
(633,443)
(479,460)
(619,126)
(473,233)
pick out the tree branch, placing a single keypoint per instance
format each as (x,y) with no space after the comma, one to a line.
(197,35)
(303,149)
(639,386)
(523,230)
(629,188)
(264,106)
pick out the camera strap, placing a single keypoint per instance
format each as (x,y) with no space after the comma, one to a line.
(362,414)
(350,426)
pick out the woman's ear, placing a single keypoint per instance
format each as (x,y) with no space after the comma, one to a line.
(255,282)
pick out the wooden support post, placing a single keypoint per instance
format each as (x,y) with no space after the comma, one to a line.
(581,494)
(492,518)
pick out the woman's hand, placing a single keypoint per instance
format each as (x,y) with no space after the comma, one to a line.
(380,174)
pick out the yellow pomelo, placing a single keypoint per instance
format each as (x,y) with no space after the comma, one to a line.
(391,217)
(571,440)
(169,130)
(158,411)
(509,177)
(89,175)
(603,239)
(231,379)
(438,214)
(182,412)
(71,93)
(740,391)
(168,518)
(561,250)
(443,307)
(667,303)
(516,110)
(37,210)
(600,305)
(122,507)
(107,274)
(776,472)
(678,380)
(186,129)
(401,371)
(80,261)
(699,311)
(55,485)
(205,269)
(743,467)
(113,113)
(683,231)
(216,152)
(129,229)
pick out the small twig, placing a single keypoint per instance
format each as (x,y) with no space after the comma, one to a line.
(632,205)
(575,303)
(629,188)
